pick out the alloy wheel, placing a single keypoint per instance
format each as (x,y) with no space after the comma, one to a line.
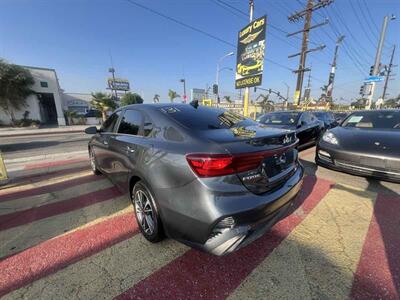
(144,212)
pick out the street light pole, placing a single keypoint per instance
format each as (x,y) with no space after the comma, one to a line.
(217,75)
(184,89)
(287,94)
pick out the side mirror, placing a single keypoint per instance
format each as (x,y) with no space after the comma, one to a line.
(91,130)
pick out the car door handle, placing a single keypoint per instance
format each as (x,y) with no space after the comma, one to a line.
(130,149)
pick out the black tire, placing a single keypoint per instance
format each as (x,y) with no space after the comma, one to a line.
(93,163)
(144,216)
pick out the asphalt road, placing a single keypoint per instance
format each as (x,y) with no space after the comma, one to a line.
(26,146)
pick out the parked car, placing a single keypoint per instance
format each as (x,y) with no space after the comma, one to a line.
(93,113)
(367,143)
(204,176)
(307,127)
(326,117)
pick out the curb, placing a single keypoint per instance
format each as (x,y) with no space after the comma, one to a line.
(41,133)
(43,157)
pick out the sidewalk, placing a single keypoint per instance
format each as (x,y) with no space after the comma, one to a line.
(17,131)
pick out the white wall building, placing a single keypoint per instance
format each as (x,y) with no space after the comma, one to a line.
(79,102)
(45,104)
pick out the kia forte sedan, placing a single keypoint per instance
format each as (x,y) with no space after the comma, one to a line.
(204,176)
(306,125)
(367,143)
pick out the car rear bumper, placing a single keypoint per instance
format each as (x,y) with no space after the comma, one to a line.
(357,164)
(248,217)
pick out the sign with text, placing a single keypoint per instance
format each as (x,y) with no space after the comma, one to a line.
(250,54)
(118,84)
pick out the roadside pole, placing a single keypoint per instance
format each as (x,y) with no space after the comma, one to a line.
(389,70)
(377,63)
(247,89)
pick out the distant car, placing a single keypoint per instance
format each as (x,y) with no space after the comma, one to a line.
(326,117)
(207,177)
(367,143)
(306,125)
(340,116)
(92,113)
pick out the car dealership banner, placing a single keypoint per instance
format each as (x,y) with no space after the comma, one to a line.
(250,54)
(118,84)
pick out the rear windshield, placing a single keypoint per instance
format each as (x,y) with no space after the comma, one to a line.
(284,118)
(374,120)
(203,118)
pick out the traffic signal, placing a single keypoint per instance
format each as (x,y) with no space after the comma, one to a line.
(362,90)
(215,89)
(371,71)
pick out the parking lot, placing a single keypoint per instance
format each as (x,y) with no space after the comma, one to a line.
(71,235)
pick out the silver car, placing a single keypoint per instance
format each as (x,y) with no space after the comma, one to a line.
(204,176)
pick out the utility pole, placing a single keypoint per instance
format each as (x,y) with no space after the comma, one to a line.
(329,87)
(377,63)
(389,70)
(307,13)
(184,89)
(247,90)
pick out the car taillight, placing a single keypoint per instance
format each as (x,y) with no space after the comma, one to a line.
(210,165)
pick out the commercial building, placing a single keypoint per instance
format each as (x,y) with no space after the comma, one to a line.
(78,102)
(45,104)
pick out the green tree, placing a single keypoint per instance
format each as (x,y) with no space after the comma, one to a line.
(131,98)
(228,99)
(172,95)
(156,98)
(15,86)
(103,103)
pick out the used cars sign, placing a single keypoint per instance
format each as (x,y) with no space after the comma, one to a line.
(250,54)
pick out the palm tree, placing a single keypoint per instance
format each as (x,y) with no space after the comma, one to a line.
(156,98)
(172,95)
(228,99)
(15,83)
(103,103)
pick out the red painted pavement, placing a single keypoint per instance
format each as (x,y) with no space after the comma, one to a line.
(58,253)
(48,210)
(56,163)
(6,196)
(197,275)
(378,272)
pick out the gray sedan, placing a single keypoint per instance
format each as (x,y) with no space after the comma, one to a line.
(204,176)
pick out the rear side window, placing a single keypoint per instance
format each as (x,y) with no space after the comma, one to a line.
(131,122)
(109,124)
(203,118)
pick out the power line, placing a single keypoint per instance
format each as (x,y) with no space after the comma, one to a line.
(180,22)
(242,15)
(366,32)
(371,18)
(197,30)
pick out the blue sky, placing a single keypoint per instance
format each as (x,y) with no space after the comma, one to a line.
(76,37)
